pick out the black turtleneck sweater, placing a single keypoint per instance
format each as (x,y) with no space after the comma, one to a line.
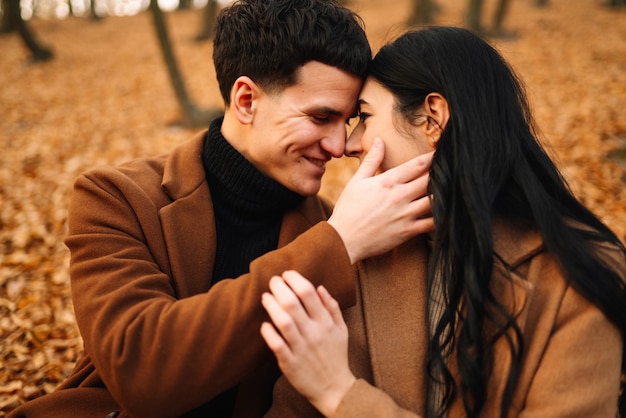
(248,205)
(249,208)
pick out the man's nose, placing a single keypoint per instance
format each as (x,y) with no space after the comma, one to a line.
(335,142)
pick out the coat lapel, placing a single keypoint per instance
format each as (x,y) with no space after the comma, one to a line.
(188,225)
(394,301)
(298,221)
(513,245)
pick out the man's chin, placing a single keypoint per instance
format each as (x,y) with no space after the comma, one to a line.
(307,190)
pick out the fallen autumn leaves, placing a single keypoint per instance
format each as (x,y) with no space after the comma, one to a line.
(105,98)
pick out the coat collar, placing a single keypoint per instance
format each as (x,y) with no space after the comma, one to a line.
(183,172)
(514,242)
(187,222)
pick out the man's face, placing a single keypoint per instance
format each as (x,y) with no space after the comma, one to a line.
(300,128)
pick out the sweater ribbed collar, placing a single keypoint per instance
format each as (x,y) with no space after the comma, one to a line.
(238,183)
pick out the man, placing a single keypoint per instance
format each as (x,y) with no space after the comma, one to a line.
(170,255)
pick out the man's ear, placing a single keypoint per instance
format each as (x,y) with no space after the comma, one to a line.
(242,99)
(438,112)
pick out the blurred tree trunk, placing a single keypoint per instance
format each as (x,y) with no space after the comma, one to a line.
(541,3)
(6,25)
(616,3)
(93,11)
(422,12)
(192,115)
(474,12)
(13,13)
(209,15)
(498,19)
(185,4)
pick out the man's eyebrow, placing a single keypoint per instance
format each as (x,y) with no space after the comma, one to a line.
(324,110)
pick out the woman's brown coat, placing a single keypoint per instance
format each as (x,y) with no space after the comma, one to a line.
(158,342)
(572,358)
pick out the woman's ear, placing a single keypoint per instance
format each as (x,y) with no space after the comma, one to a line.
(438,112)
(242,99)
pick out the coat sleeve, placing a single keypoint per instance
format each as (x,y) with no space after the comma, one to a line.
(363,400)
(158,355)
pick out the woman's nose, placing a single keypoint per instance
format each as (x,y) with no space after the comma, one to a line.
(353,144)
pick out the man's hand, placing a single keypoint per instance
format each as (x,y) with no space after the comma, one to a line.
(309,338)
(376,213)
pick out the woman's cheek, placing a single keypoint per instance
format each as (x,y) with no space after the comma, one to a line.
(366,142)
(390,159)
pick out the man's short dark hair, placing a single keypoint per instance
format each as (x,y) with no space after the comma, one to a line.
(269,40)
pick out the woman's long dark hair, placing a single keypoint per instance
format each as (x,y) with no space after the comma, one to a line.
(489,164)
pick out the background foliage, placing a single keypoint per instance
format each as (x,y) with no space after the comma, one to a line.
(106,97)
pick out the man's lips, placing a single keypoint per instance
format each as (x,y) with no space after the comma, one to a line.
(317,162)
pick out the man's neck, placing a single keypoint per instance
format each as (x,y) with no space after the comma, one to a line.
(235,132)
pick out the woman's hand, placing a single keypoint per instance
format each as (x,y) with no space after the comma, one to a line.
(309,338)
(377,212)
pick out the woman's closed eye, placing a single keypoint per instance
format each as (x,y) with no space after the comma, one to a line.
(363,116)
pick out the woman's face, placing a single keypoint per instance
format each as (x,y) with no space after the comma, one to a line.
(377,118)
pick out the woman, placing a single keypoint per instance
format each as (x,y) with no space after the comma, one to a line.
(514,307)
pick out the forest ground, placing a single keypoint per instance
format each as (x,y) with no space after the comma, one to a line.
(106,98)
